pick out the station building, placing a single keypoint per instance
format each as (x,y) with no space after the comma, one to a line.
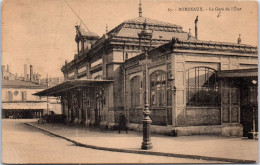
(195,87)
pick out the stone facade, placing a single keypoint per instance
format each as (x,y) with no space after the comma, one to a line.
(176,59)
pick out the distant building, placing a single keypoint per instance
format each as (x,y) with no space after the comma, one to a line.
(32,76)
(18,101)
(6,74)
(17,98)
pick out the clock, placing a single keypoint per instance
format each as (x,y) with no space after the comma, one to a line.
(16,93)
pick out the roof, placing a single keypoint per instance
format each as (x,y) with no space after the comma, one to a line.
(58,90)
(130,28)
(25,105)
(207,45)
(197,45)
(149,21)
(20,84)
(126,33)
(161,30)
(253,72)
(87,33)
(215,45)
(156,34)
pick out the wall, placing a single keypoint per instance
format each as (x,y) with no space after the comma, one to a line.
(202,116)
(181,62)
(183,115)
(95,74)
(18,97)
(8,76)
(158,114)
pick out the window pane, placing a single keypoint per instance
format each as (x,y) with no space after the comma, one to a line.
(135,86)
(202,77)
(192,96)
(153,100)
(191,79)
(158,89)
(201,87)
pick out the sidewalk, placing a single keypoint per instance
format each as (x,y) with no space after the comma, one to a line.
(216,148)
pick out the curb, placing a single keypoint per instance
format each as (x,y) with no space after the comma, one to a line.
(147,152)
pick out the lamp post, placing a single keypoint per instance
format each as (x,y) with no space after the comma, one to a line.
(146,35)
(254,133)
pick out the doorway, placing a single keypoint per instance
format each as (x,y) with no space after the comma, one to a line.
(249,109)
(99,100)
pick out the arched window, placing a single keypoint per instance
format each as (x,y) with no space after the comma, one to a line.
(135,85)
(201,87)
(158,89)
(99,77)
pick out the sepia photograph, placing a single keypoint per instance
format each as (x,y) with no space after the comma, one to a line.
(137,81)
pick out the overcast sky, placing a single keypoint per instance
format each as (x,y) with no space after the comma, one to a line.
(42,32)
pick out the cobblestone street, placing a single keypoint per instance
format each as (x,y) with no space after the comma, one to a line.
(25,144)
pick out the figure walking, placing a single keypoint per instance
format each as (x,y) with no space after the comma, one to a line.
(122,123)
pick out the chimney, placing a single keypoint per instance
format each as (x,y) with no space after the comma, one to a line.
(25,72)
(31,73)
(196,29)
(189,34)
(106,29)
(140,9)
(239,39)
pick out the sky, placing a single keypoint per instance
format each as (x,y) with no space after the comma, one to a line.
(42,32)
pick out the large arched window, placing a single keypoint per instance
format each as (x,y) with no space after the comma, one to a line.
(135,85)
(158,89)
(201,87)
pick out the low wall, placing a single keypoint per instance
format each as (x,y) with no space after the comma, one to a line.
(196,116)
(158,116)
(224,130)
(193,116)
(232,130)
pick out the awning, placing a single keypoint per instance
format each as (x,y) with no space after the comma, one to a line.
(25,105)
(238,73)
(58,90)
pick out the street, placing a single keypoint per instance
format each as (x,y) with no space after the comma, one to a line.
(24,144)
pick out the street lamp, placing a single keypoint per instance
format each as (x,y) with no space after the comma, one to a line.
(253,134)
(146,36)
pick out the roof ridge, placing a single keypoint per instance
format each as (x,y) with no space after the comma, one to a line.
(19,82)
(218,43)
(151,21)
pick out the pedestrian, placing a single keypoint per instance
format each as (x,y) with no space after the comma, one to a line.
(122,123)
